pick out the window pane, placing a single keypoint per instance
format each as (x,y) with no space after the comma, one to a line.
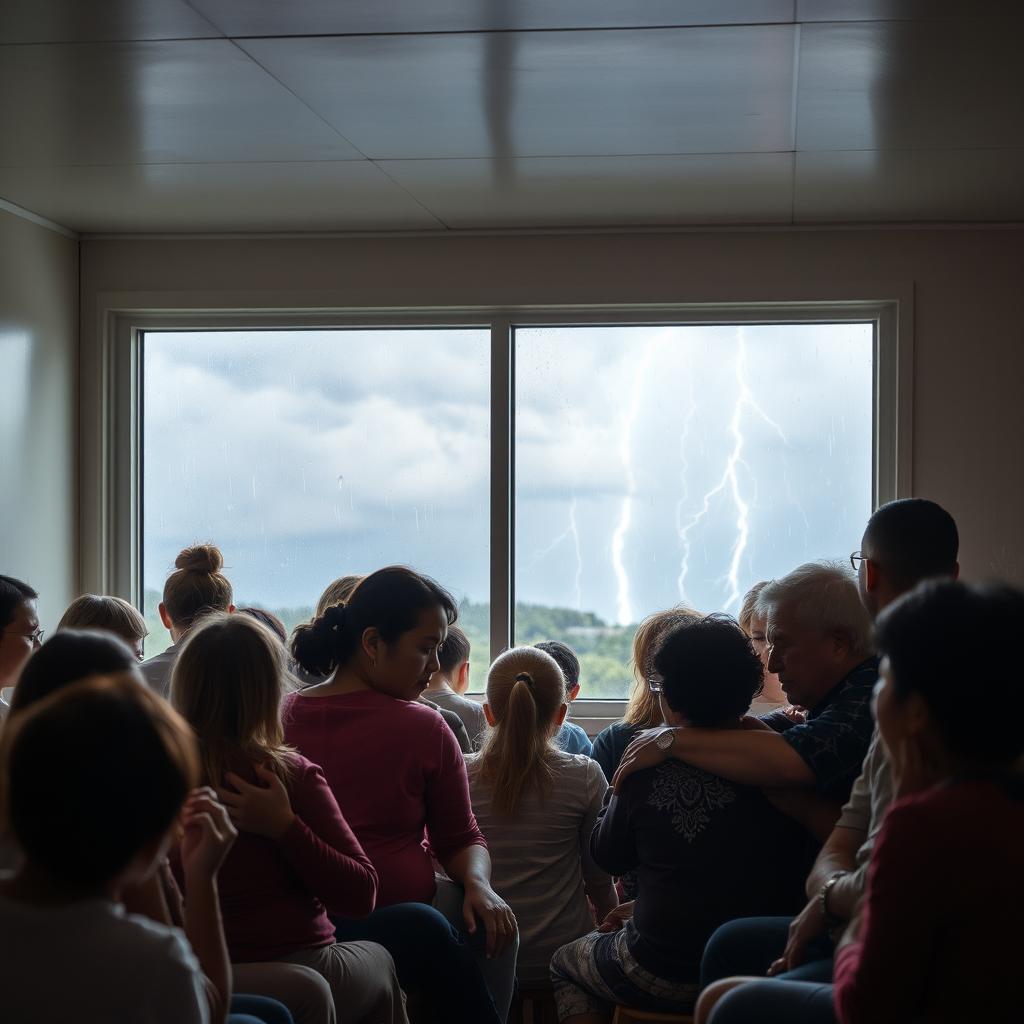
(662,465)
(308,455)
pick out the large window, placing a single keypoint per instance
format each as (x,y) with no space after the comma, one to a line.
(594,473)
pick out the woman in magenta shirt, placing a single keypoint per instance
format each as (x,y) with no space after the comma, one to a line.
(399,778)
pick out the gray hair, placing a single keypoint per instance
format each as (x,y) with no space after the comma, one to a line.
(822,596)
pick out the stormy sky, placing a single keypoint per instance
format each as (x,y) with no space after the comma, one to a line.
(653,464)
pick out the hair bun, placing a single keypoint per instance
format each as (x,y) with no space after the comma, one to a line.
(202,558)
(335,616)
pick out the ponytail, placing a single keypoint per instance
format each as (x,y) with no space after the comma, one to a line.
(525,689)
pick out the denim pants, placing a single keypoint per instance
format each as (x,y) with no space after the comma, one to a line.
(258,1010)
(776,1002)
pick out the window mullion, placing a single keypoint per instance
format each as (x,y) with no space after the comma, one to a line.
(502,486)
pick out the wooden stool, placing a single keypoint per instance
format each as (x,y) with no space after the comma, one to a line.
(626,1015)
(534,1005)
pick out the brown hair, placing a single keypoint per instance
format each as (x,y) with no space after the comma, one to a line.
(749,607)
(337,592)
(197,585)
(93,773)
(525,689)
(643,709)
(99,611)
(228,682)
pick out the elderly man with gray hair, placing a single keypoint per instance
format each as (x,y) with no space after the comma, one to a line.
(819,636)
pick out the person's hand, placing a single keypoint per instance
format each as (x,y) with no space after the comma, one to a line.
(804,929)
(617,918)
(642,753)
(795,714)
(207,835)
(482,902)
(263,810)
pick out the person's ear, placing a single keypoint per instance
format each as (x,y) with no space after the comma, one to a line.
(462,678)
(231,609)
(371,644)
(872,577)
(489,715)
(164,617)
(560,715)
(573,692)
(916,716)
(956,571)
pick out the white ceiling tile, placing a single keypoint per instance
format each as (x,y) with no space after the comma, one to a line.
(108,103)
(904,85)
(331,17)
(76,21)
(910,185)
(602,191)
(547,93)
(321,196)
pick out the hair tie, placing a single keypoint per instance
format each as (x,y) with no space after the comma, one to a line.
(335,617)
(525,677)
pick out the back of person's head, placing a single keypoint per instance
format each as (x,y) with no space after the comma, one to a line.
(567,661)
(643,709)
(389,600)
(197,585)
(454,651)
(709,671)
(337,592)
(13,592)
(911,540)
(269,619)
(113,614)
(93,776)
(68,656)
(228,682)
(957,647)
(525,693)
(748,609)
(821,597)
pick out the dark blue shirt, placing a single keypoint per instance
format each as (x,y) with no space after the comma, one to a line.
(835,738)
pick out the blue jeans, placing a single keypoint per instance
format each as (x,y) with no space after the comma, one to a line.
(258,1010)
(431,958)
(776,1002)
(749,945)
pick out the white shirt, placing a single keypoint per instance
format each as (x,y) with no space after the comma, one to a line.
(93,962)
(157,670)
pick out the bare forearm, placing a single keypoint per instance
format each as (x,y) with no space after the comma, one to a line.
(750,757)
(205,934)
(838,854)
(472,864)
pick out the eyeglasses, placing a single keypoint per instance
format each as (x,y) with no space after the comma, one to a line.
(36,637)
(855,559)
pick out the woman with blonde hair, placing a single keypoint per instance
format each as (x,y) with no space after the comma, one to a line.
(537,807)
(644,708)
(110,614)
(295,858)
(195,587)
(753,622)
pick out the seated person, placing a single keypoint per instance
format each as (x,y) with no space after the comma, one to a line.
(451,680)
(936,937)
(819,634)
(20,634)
(643,710)
(116,770)
(412,798)
(112,614)
(295,857)
(704,848)
(537,807)
(571,738)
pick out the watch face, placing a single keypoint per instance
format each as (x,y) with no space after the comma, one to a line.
(665,740)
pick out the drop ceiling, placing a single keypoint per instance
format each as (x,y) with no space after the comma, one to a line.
(412,115)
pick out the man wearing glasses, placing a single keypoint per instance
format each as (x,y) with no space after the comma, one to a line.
(20,634)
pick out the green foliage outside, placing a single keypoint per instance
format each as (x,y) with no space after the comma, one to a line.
(603,650)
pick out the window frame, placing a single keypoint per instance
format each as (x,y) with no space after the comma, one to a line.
(112,502)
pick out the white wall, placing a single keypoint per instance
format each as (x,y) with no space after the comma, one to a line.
(38,411)
(964,287)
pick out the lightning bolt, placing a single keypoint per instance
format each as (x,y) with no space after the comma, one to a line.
(685,495)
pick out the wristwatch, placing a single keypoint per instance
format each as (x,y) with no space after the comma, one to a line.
(665,739)
(830,919)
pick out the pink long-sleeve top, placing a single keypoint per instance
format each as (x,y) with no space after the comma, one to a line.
(275,894)
(399,778)
(939,937)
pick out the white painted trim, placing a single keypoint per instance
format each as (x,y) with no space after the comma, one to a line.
(35,218)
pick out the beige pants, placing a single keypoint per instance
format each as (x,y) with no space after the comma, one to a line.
(304,991)
(362,978)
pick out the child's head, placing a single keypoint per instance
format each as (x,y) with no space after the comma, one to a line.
(93,778)
(19,627)
(269,619)
(113,614)
(453,659)
(526,704)
(388,633)
(228,682)
(337,592)
(566,659)
(643,708)
(68,656)
(196,586)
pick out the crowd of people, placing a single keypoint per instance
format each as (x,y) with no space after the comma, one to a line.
(323,827)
